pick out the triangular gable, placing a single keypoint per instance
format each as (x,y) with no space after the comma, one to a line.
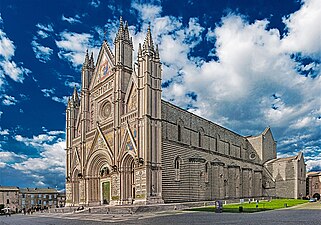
(267,132)
(77,125)
(104,65)
(300,156)
(99,135)
(75,159)
(128,143)
(130,86)
(131,96)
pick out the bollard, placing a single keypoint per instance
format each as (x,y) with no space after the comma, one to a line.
(241,209)
(218,206)
(285,205)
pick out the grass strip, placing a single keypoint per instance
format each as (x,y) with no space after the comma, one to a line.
(252,207)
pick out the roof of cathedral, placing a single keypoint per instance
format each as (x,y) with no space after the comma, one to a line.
(179,108)
(290,158)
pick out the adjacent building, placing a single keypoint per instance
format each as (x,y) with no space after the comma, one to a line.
(9,197)
(61,199)
(314,184)
(38,198)
(125,145)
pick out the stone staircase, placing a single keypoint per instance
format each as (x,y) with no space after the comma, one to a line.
(135,209)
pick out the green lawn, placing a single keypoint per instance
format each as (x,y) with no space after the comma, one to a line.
(251,207)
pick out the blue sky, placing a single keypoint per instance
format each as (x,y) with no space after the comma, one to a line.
(243,64)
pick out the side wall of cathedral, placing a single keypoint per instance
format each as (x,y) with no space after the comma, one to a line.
(204,161)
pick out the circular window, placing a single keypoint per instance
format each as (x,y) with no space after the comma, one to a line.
(252,155)
(105,110)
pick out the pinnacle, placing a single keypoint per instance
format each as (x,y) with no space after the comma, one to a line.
(139,49)
(156,52)
(86,58)
(126,32)
(148,43)
(75,97)
(92,60)
(120,33)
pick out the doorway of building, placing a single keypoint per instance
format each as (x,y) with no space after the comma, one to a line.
(128,179)
(106,192)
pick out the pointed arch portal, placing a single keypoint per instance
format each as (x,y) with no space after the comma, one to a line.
(128,179)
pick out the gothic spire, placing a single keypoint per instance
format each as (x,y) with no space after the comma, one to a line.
(86,63)
(120,33)
(156,52)
(139,49)
(148,43)
(92,63)
(69,103)
(75,96)
(126,33)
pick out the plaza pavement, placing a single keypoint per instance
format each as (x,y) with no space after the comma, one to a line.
(306,214)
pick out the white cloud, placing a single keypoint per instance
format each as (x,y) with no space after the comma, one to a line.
(7,66)
(41,139)
(304,30)
(70,19)
(52,154)
(36,141)
(95,3)
(7,157)
(313,163)
(8,100)
(48,92)
(48,28)
(56,132)
(252,81)
(42,34)
(42,53)
(1,20)
(63,99)
(4,132)
(44,30)
(72,84)
(15,72)
(73,47)
(6,46)
(147,11)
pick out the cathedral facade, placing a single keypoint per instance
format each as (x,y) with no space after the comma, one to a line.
(125,145)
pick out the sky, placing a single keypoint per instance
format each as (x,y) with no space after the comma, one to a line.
(243,64)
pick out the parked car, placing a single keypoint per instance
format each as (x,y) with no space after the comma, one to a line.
(312,200)
(6,211)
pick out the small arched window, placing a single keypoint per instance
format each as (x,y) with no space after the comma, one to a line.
(177,168)
(179,132)
(180,126)
(206,172)
(200,134)
(92,116)
(199,139)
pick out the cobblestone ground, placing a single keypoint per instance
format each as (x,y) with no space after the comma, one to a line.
(307,214)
